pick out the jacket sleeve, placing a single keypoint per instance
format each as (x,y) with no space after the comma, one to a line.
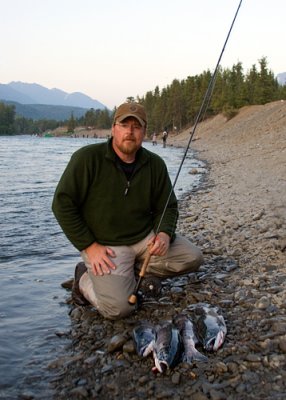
(68,198)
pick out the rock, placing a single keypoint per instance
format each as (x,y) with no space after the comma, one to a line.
(221,367)
(257,216)
(199,396)
(263,303)
(129,347)
(76,313)
(216,395)
(282,344)
(81,392)
(116,342)
(253,357)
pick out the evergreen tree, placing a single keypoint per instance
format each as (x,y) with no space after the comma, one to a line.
(71,124)
(7,117)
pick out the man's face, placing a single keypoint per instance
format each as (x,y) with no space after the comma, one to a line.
(128,136)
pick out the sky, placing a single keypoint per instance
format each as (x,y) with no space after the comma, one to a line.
(114,49)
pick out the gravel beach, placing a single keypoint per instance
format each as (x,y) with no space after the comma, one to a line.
(238,218)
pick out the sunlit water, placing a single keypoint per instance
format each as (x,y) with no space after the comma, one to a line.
(36,257)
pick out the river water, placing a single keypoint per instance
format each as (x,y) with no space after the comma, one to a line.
(36,257)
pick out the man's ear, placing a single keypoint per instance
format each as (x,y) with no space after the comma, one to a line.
(112,130)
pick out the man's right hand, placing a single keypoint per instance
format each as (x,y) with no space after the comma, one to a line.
(99,258)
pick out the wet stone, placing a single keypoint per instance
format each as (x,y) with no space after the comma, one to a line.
(80,391)
(76,313)
(263,303)
(116,343)
(253,358)
(216,395)
(129,347)
(282,344)
(221,367)
(176,377)
(199,396)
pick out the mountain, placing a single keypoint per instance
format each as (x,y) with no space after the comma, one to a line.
(32,93)
(8,93)
(45,111)
(281,78)
(37,102)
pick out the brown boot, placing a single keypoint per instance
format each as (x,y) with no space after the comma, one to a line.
(77,297)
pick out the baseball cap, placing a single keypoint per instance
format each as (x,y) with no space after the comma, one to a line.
(135,110)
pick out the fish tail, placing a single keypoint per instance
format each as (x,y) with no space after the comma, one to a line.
(200,357)
(195,356)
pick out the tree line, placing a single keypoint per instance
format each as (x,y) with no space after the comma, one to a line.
(175,106)
(12,124)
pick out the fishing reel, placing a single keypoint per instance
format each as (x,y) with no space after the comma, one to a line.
(151,287)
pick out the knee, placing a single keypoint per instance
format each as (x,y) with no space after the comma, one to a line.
(116,310)
(193,264)
(199,259)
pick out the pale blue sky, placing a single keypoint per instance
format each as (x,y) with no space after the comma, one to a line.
(114,49)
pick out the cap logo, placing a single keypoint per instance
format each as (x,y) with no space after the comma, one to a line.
(135,110)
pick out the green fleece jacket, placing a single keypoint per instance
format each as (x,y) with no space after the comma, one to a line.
(94,201)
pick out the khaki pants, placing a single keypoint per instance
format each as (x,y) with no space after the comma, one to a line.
(110,293)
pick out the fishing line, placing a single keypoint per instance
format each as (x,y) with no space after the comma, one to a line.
(202,110)
(133,298)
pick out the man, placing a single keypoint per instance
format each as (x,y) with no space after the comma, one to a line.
(164,137)
(112,204)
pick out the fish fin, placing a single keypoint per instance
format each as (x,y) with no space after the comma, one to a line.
(148,349)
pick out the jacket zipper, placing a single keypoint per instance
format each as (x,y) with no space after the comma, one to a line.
(127,188)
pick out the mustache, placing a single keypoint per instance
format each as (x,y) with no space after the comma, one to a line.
(129,138)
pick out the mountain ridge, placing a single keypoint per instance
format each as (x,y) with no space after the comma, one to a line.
(281,78)
(33,93)
(45,111)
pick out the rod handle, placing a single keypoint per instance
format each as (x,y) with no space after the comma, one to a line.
(145,265)
(133,298)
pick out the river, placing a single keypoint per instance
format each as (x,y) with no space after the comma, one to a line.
(36,257)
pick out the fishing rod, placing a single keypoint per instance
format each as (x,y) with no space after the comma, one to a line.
(205,103)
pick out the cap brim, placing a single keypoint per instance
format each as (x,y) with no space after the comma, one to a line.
(124,116)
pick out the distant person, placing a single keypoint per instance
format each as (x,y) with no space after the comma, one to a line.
(154,139)
(109,202)
(164,137)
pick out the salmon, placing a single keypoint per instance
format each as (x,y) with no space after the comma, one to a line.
(189,337)
(168,347)
(210,325)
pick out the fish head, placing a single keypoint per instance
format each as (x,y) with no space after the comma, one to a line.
(144,336)
(160,366)
(167,350)
(210,326)
(214,340)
